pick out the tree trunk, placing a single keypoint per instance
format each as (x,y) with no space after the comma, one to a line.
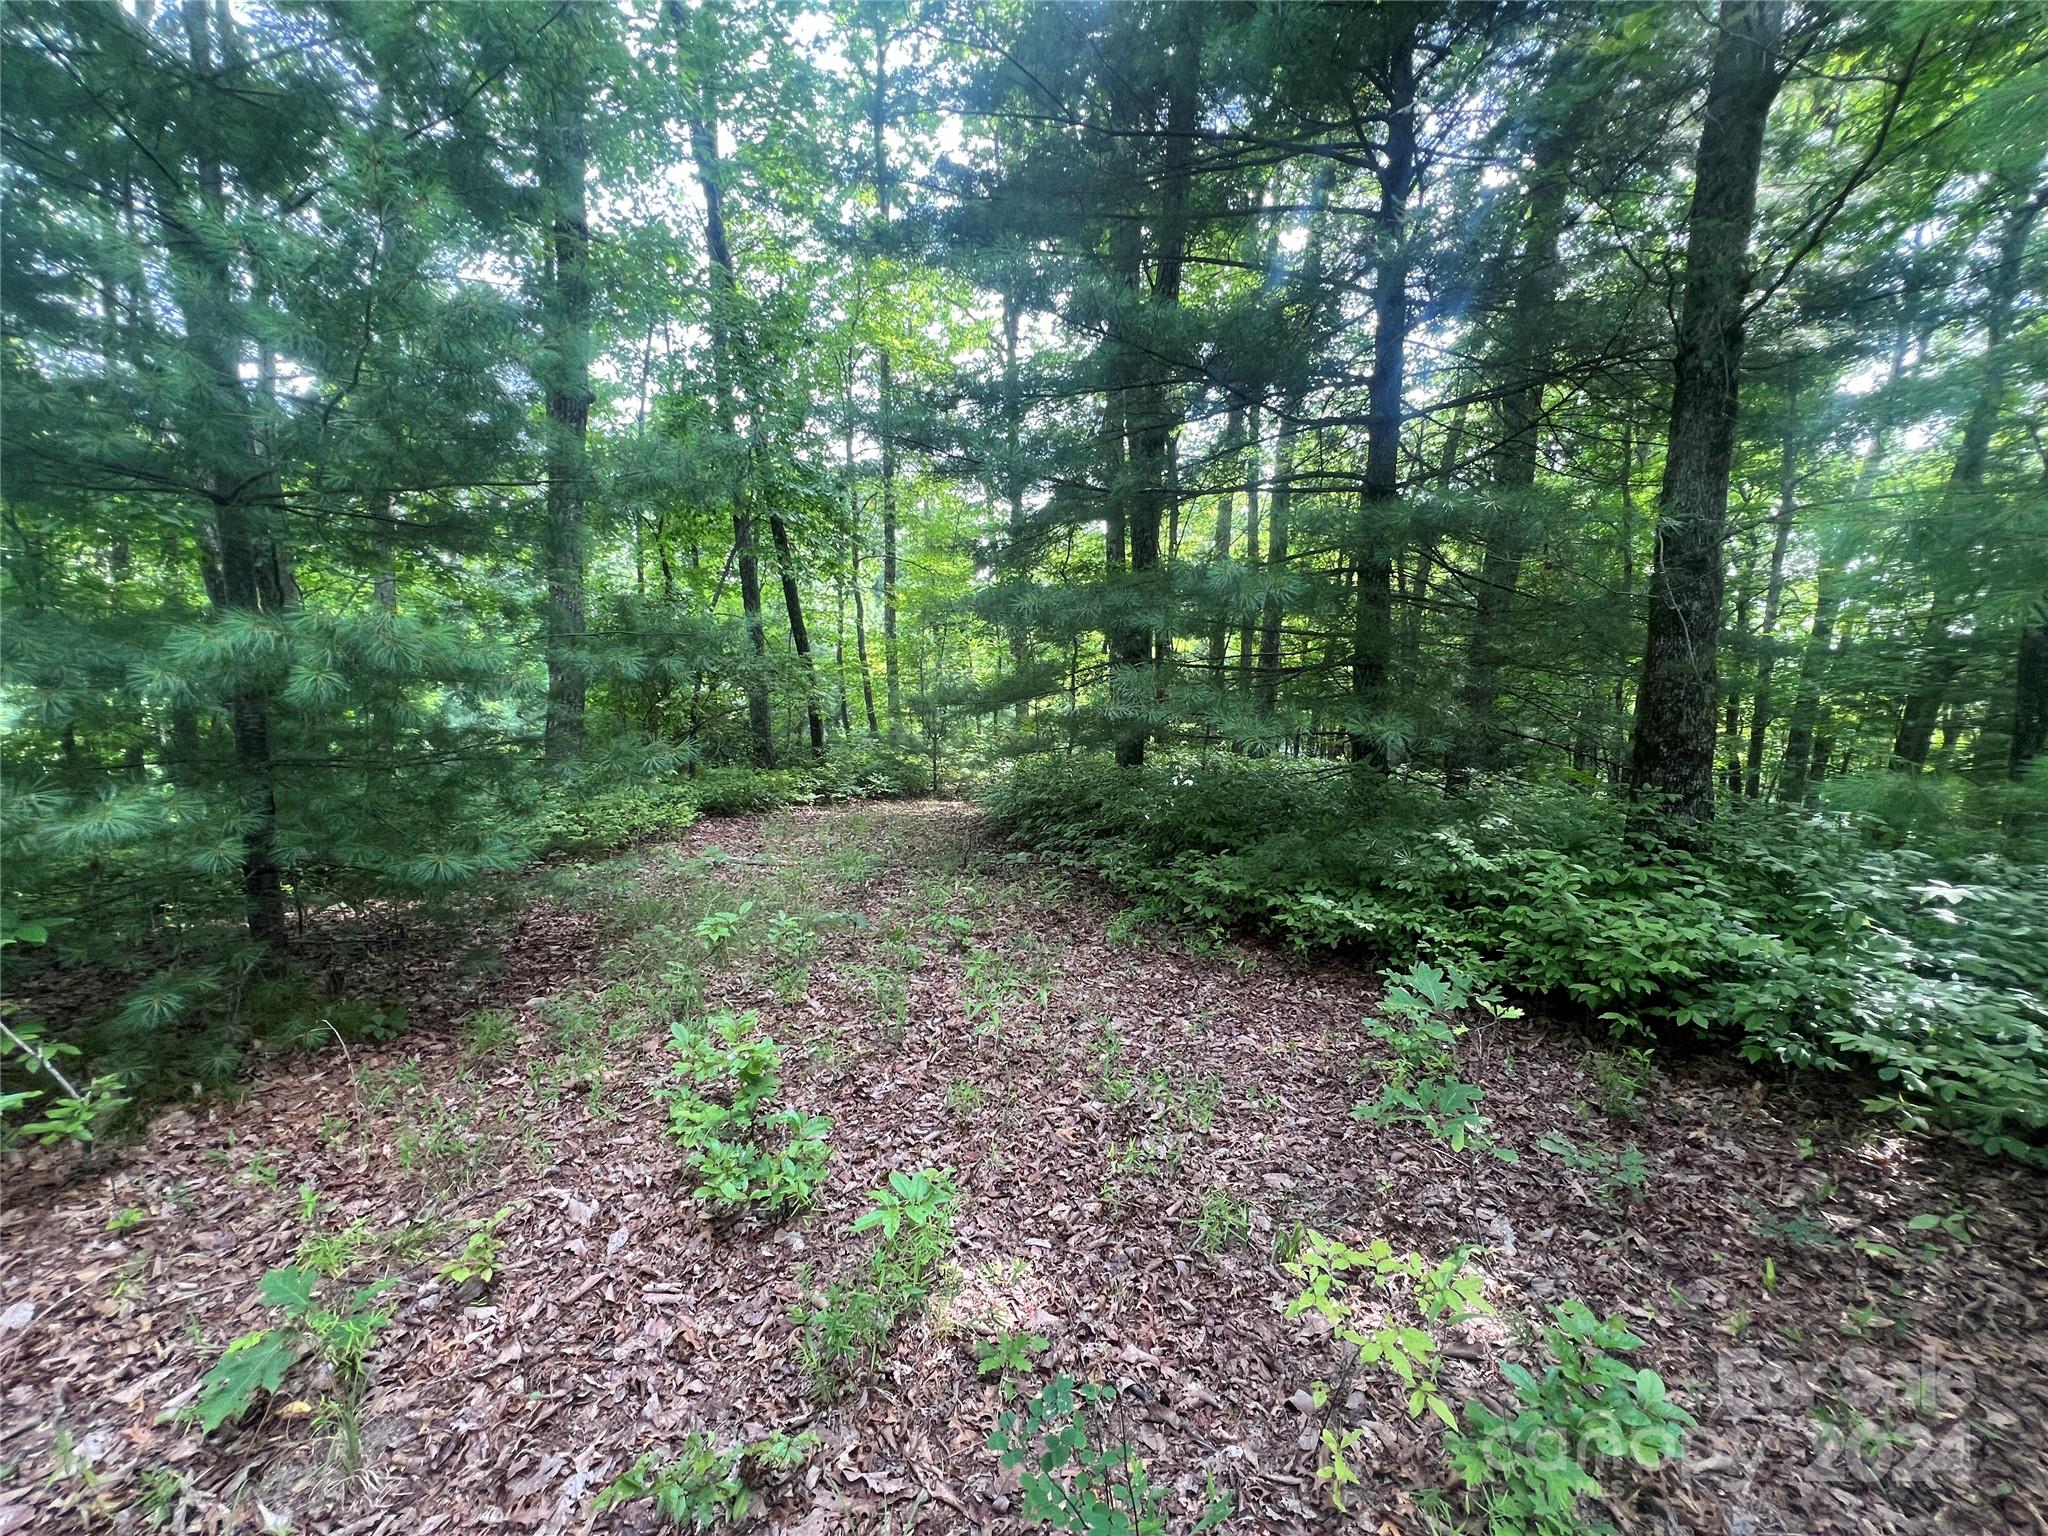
(1798,772)
(1280,506)
(565,324)
(1671,767)
(1795,777)
(885,382)
(799,633)
(1013,468)
(1219,550)
(1774,597)
(230,570)
(1527,350)
(1731,723)
(1247,634)
(1155,413)
(703,129)
(2029,702)
(1373,548)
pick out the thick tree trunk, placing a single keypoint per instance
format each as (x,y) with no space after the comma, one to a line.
(563,161)
(1671,767)
(1372,641)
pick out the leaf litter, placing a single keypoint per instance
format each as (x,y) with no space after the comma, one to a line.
(1092,1084)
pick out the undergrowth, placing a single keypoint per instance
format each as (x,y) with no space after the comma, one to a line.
(1800,941)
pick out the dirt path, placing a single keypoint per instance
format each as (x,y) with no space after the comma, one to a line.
(1137,1128)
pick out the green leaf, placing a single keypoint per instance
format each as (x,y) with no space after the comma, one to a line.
(256,1362)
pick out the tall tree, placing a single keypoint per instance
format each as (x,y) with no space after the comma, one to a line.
(1671,759)
(563,160)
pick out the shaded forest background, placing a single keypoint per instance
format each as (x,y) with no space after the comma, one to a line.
(1558,489)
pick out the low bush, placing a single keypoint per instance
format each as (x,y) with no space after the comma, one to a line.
(339,1330)
(746,1154)
(842,1335)
(1528,1473)
(705,1484)
(1074,1481)
(1797,939)
(199,995)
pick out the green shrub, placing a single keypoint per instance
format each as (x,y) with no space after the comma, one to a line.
(1421,1083)
(699,1487)
(1792,937)
(705,1485)
(590,819)
(1073,1483)
(841,1336)
(1528,1473)
(341,1331)
(745,1154)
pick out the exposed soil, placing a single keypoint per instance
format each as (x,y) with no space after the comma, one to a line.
(1091,1090)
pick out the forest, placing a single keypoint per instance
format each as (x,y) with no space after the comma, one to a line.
(1120,766)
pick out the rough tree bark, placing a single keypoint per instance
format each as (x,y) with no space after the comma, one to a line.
(1671,763)
(1373,545)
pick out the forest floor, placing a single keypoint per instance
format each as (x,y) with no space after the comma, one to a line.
(1136,1122)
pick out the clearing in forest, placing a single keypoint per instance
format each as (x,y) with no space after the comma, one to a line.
(1138,1151)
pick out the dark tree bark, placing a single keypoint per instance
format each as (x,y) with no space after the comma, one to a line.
(1526,355)
(1247,634)
(1671,765)
(1156,412)
(799,632)
(2029,701)
(724,290)
(1280,507)
(1372,642)
(860,643)
(1013,467)
(1795,777)
(1219,551)
(565,323)
(860,612)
